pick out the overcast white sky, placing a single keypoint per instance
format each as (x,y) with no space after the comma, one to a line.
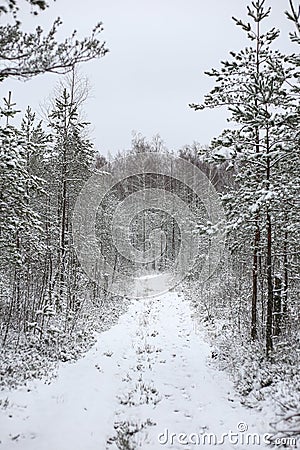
(159,50)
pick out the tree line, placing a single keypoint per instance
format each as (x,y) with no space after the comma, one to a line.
(43,167)
(253,165)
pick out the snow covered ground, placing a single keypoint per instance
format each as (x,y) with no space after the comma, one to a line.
(144,383)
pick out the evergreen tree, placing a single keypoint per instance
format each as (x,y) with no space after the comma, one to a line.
(255,88)
(26,54)
(20,223)
(70,163)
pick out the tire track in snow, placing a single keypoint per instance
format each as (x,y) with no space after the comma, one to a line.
(186,396)
(145,375)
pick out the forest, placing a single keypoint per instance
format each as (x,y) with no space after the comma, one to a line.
(52,309)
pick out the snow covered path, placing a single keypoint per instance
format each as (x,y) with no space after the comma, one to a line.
(145,378)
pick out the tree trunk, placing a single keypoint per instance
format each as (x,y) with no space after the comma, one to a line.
(277,305)
(254,285)
(269,325)
(286,275)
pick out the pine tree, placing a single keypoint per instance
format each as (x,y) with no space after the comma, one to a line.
(20,223)
(26,54)
(254,86)
(70,163)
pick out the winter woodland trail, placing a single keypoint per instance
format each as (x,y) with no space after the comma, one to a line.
(146,375)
